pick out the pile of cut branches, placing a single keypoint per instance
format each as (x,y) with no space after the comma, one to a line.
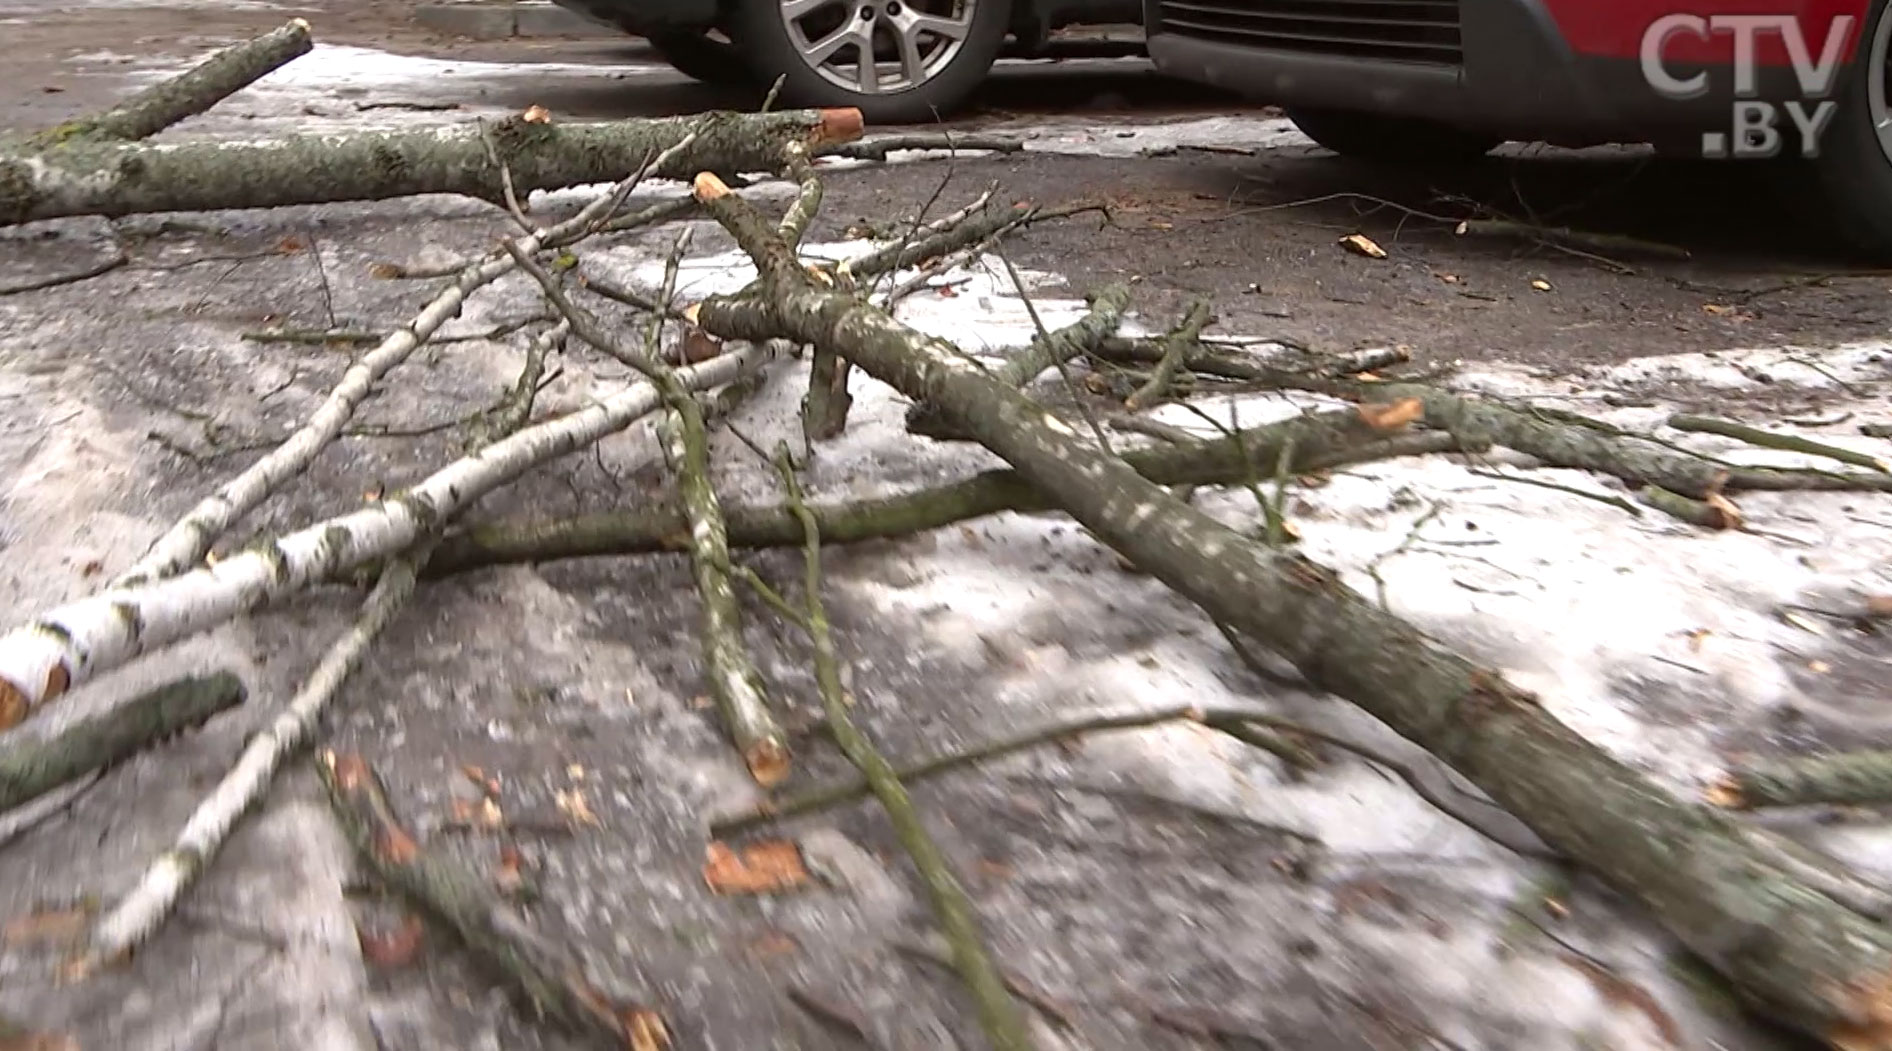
(1801,939)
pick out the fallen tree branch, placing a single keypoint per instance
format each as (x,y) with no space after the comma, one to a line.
(823,797)
(1765,439)
(1187,331)
(999,1016)
(86,177)
(1790,950)
(1849,778)
(1321,442)
(734,683)
(145,907)
(1044,352)
(550,978)
(189,93)
(93,635)
(1564,236)
(186,543)
(29,770)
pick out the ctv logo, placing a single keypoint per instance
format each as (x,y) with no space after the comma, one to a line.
(1755,127)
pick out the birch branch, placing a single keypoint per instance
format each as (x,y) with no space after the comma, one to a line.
(86,177)
(144,908)
(1789,948)
(96,634)
(186,543)
(191,92)
(734,683)
(999,1015)
(550,977)
(1320,442)
(29,770)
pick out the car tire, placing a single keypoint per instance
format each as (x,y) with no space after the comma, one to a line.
(1853,169)
(1377,137)
(777,44)
(702,57)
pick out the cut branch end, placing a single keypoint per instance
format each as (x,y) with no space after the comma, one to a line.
(768,763)
(838,125)
(709,187)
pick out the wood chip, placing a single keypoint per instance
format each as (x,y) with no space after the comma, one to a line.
(1360,244)
(1393,416)
(761,868)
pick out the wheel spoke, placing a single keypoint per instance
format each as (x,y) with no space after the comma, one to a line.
(869,67)
(818,53)
(918,23)
(911,65)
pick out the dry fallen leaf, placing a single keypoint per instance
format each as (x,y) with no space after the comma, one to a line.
(774,865)
(647,1031)
(483,814)
(395,948)
(1541,285)
(1393,416)
(1360,244)
(384,271)
(572,804)
(481,780)
(1716,309)
(290,245)
(536,115)
(1450,279)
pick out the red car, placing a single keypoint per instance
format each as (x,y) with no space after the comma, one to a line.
(1429,79)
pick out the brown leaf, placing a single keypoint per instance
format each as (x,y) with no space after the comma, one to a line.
(572,804)
(774,865)
(385,271)
(1360,244)
(291,245)
(1391,417)
(481,780)
(48,926)
(536,115)
(646,1031)
(484,814)
(1541,285)
(395,948)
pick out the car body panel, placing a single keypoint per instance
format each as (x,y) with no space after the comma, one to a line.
(1567,71)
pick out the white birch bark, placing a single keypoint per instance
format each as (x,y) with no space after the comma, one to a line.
(139,913)
(96,634)
(186,542)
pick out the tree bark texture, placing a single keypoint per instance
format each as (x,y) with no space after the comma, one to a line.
(1787,948)
(87,177)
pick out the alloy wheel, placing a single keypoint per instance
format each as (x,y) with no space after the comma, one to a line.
(878,46)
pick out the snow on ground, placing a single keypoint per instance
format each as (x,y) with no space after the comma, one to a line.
(342,87)
(1647,635)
